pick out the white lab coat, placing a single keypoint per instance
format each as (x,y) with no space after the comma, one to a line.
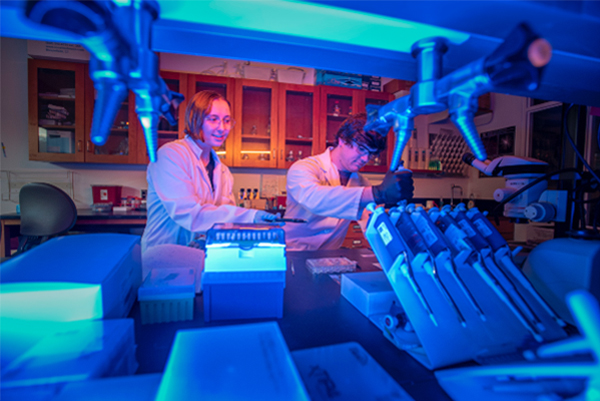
(314,193)
(181,201)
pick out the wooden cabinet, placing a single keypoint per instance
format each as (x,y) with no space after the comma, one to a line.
(276,123)
(225,86)
(380,163)
(122,144)
(505,227)
(176,82)
(339,103)
(255,133)
(354,237)
(298,123)
(56,111)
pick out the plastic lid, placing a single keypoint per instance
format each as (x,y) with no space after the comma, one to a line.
(168,283)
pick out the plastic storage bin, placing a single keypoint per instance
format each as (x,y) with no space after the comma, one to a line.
(370,292)
(167,295)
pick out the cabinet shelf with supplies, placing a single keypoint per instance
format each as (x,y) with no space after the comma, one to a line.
(298,123)
(121,145)
(224,86)
(255,132)
(56,110)
(276,123)
(176,82)
(337,104)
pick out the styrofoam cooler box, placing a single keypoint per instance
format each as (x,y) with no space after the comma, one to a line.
(66,352)
(370,292)
(167,295)
(74,277)
(241,362)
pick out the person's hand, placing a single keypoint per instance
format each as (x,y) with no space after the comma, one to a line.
(395,187)
(265,217)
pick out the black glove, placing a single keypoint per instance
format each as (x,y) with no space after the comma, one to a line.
(265,217)
(394,188)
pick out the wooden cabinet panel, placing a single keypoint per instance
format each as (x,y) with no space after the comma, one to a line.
(225,86)
(506,228)
(177,82)
(354,237)
(121,147)
(255,133)
(337,104)
(276,123)
(298,123)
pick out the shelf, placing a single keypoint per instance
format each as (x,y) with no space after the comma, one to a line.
(119,130)
(300,140)
(170,133)
(259,137)
(339,116)
(69,127)
(57,97)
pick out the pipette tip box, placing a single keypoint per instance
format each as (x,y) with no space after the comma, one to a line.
(244,272)
(167,295)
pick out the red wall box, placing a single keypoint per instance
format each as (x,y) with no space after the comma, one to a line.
(107,194)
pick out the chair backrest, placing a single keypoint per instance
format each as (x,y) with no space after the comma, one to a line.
(45,210)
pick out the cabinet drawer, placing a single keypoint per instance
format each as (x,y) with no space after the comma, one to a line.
(354,231)
(353,243)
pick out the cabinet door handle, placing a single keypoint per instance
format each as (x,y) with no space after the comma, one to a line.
(87,146)
(281,154)
(79,146)
(274,154)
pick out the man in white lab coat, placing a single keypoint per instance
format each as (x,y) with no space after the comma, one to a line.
(328,192)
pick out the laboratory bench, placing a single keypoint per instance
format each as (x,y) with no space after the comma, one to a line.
(314,315)
(87,221)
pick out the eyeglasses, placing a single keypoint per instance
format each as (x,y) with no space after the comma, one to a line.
(364,151)
(216,120)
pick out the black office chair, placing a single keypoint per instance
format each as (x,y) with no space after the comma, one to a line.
(46,211)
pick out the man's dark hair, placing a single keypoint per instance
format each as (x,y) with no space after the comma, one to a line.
(352,130)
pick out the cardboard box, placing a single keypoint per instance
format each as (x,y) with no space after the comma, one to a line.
(397,85)
(334,78)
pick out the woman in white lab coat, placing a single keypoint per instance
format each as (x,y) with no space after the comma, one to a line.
(328,192)
(189,189)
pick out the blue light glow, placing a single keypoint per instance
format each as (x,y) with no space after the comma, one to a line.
(248,361)
(146,122)
(52,301)
(309,20)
